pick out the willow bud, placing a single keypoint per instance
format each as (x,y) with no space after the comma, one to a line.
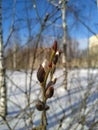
(40,105)
(52,82)
(41,74)
(45,64)
(41,71)
(55,60)
(49,92)
(54,79)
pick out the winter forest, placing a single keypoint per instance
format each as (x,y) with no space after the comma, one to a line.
(48,65)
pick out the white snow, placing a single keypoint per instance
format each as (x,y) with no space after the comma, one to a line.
(66,103)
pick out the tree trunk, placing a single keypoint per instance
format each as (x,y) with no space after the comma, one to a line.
(64,55)
(14,56)
(3,102)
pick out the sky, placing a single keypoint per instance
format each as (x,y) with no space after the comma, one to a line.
(88,14)
(24,11)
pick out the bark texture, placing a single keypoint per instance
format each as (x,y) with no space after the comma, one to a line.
(3,102)
(64,56)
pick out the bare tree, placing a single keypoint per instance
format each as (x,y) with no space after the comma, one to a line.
(3,101)
(64,57)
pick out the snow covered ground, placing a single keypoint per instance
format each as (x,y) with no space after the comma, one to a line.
(74,109)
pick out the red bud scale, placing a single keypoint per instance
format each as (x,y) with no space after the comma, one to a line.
(54,47)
